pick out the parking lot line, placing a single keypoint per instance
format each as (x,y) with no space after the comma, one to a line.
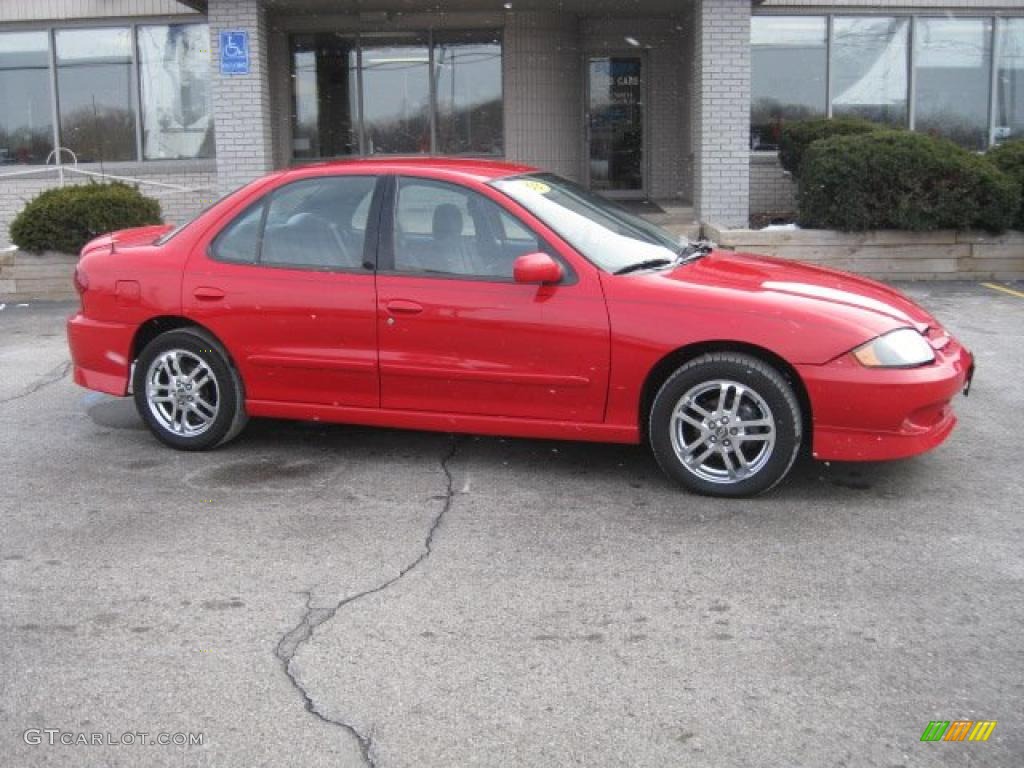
(1004,289)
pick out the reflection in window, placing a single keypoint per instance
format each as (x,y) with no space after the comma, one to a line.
(1010,81)
(396,97)
(239,241)
(403,110)
(325,117)
(869,68)
(616,122)
(175,80)
(313,223)
(953,61)
(26,123)
(94,80)
(788,74)
(468,86)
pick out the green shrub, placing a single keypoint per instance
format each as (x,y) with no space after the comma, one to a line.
(65,219)
(902,180)
(796,137)
(1009,158)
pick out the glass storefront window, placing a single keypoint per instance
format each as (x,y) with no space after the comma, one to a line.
(396,97)
(26,118)
(1010,81)
(98,110)
(869,68)
(397,93)
(175,80)
(325,120)
(469,95)
(788,72)
(94,80)
(953,68)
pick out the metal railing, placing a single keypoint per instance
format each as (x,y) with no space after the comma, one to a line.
(54,163)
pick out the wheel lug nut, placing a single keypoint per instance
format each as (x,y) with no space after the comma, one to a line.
(714,439)
(733,431)
(728,443)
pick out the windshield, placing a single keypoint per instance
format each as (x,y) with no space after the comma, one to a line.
(605,233)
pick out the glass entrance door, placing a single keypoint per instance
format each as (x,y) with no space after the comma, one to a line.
(615,127)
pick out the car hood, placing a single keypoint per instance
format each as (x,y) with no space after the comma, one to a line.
(783,278)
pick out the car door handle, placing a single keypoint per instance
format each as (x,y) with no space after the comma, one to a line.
(205,293)
(402,307)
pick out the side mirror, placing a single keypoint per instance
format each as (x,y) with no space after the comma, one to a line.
(537,268)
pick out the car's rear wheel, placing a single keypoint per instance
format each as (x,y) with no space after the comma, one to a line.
(187,391)
(726,424)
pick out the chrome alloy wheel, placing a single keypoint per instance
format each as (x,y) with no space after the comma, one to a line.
(182,393)
(722,431)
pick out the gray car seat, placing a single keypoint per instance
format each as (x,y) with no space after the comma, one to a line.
(448,251)
(308,240)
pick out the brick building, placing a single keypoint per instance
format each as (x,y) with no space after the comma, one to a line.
(668,100)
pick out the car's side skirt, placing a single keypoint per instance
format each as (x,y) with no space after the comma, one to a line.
(447,422)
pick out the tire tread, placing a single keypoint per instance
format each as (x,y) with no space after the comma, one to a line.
(735,358)
(239,419)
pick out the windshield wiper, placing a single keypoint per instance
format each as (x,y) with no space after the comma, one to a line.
(648,264)
(694,251)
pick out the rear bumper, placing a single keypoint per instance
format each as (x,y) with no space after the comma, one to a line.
(100,354)
(866,414)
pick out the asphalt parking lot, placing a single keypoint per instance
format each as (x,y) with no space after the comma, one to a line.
(328,595)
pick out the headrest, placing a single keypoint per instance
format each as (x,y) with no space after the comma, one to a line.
(447,221)
(304,219)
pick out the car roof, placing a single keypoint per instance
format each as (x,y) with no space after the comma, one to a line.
(479,168)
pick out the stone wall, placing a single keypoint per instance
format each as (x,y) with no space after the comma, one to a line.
(34,277)
(543,102)
(889,255)
(772,190)
(721,111)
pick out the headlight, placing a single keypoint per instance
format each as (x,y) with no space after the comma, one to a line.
(902,348)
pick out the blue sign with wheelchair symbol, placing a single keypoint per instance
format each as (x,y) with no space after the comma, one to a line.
(234,52)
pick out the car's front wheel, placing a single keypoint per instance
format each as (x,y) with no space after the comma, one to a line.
(187,392)
(726,424)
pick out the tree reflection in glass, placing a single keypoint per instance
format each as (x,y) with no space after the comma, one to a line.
(97,118)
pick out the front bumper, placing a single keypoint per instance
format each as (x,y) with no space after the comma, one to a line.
(872,414)
(100,353)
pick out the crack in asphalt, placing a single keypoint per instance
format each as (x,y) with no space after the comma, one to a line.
(313,618)
(52,377)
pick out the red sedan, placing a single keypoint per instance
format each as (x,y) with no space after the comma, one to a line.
(484,297)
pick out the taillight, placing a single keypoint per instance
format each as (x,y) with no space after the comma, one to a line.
(81,280)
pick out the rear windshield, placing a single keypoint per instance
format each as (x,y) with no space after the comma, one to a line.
(165,237)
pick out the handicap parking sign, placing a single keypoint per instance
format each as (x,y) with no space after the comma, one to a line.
(234,52)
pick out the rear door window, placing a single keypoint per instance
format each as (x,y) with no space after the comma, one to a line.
(317,224)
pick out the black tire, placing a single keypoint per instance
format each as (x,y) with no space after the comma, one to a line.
(192,344)
(766,397)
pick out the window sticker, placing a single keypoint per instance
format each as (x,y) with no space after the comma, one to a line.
(536,186)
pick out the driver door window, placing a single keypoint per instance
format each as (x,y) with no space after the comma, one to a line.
(445,229)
